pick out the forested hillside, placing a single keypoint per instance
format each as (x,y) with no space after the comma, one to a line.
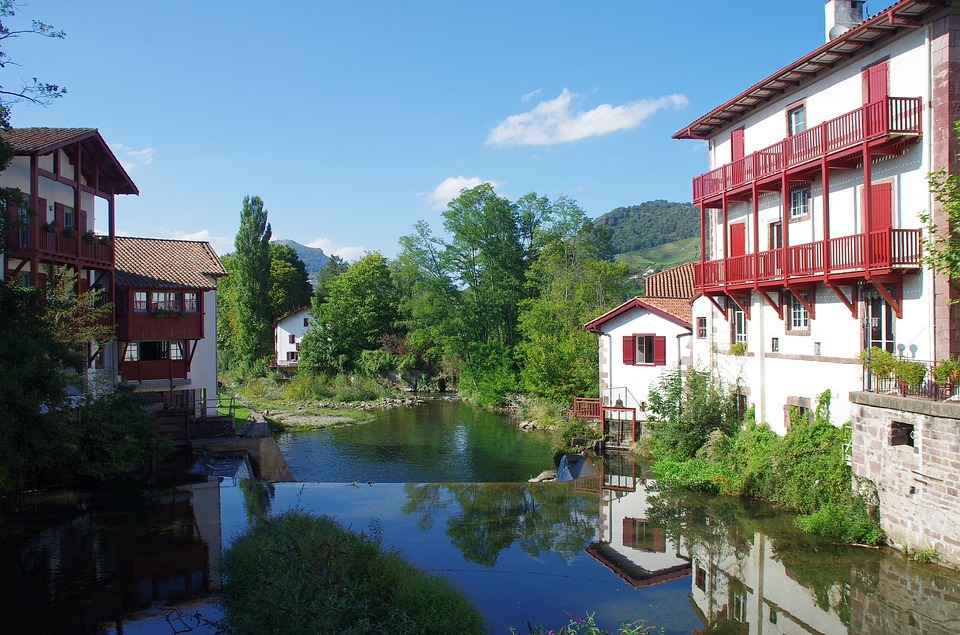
(649,224)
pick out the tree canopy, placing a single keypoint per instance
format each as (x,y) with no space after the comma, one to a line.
(252,260)
(649,224)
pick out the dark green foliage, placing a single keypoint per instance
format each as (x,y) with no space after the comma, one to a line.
(687,407)
(649,224)
(300,573)
(574,435)
(113,435)
(252,258)
(289,285)
(804,471)
(332,267)
(313,258)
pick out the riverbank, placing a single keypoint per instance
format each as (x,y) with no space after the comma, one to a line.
(288,416)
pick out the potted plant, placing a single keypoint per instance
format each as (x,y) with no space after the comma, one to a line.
(909,373)
(946,371)
(69,232)
(738,349)
(89,236)
(50,227)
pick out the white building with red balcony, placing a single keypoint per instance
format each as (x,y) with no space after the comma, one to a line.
(810,212)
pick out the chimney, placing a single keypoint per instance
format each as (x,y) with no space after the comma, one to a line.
(842,15)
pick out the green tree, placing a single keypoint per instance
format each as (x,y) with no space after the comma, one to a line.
(34,91)
(255,332)
(289,283)
(571,281)
(228,327)
(359,311)
(334,267)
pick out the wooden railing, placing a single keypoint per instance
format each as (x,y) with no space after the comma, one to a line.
(889,248)
(586,408)
(890,116)
(97,249)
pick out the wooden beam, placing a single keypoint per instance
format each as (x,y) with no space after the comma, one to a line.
(895,302)
(851,302)
(807,304)
(777,306)
(722,309)
(742,303)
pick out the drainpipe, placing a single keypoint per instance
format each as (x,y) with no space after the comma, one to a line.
(679,354)
(609,365)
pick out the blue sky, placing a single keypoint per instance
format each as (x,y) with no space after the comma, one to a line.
(354,119)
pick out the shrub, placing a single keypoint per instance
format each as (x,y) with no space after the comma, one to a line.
(300,573)
(687,408)
(575,435)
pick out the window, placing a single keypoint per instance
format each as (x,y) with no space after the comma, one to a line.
(775,345)
(796,120)
(132,353)
(739,602)
(773,615)
(191,302)
(701,579)
(165,301)
(775,235)
(139,300)
(154,351)
(879,322)
(292,356)
(176,349)
(305,320)
(23,279)
(69,220)
(798,318)
(701,328)
(293,339)
(644,350)
(640,534)
(799,202)
(738,328)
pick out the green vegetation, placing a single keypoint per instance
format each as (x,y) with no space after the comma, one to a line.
(588,626)
(575,435)
(649,224)
(300,573)
(699,443)
(254,335)
(662,256)
(941,240)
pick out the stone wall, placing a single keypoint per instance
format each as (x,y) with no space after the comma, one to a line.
(910,449)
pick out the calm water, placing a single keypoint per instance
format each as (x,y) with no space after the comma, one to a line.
(89,563)
(440,441)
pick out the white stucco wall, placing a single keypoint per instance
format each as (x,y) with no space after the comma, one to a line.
(203,368)
(290,325)
(632,383)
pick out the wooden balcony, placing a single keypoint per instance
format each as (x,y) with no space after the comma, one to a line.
(154,369)
(844,257)
(888,120)
(132,327)
(24,242)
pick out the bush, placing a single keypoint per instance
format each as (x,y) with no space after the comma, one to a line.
(687,408)
(575,435)
(300,573)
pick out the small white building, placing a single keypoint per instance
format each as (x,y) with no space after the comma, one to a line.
(287,334)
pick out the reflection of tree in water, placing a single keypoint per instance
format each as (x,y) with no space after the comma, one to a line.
(717,528)
(492,516)
(257,498)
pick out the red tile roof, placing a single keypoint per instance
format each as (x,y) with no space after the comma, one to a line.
(156,263)
(37,139)
(677,310)
(671,283)
(680,308)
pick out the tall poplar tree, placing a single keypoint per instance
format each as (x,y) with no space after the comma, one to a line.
(254,336)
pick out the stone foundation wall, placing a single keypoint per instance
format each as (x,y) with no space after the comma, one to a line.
(918,484)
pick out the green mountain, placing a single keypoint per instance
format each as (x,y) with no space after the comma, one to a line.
(313,257)
(649,225)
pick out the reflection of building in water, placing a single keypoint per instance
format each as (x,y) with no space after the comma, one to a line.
(628,543)
(750,587)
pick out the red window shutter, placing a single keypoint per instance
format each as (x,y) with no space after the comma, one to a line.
(881,206)
(629,350)
(874,83)
(628,532)
(58,214)
(82,222)
(659,350)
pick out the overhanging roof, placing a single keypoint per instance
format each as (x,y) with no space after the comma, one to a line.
(904,15)
(676,310)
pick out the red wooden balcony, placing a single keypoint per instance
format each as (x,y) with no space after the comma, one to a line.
(586,408)
(154,369)
(880,121)
(846,256)
(23,242)
(133,327)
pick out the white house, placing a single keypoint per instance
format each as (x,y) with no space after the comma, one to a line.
(643,337)
(288,333)
(810,211)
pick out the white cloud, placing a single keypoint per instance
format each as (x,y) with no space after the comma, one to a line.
(131,158)
(530,95)
(221,244)
(558,121)
(450,189)
(332,249)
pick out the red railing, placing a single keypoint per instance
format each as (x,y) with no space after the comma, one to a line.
(889,248)
(97,249)
(586,408)
(890,116)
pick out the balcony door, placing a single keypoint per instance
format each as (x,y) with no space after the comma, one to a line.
(881,207)
(738,239)
(879,322)
(874,83)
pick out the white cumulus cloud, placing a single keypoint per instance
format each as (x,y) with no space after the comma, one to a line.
(131,158)
(559,121)
(333,249)
(221,244)
(451,187)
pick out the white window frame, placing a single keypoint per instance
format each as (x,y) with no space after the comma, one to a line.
(796,119)
(132,354)
(641,355)
(799,316)
(799,202)
(739,322)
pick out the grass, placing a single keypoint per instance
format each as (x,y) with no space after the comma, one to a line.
(663,256)
(240,412)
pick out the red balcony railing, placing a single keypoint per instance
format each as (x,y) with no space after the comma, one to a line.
(889,248)
(586,408)
(890,116)
(96,249)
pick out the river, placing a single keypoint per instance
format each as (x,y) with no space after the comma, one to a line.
(118,561)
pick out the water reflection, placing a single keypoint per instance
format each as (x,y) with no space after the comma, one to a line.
(75,562)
